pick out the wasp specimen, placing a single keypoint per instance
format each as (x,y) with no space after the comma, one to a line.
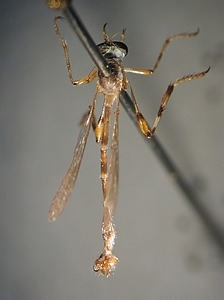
(110,87)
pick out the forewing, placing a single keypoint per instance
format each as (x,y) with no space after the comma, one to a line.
(113,170)
(63,194)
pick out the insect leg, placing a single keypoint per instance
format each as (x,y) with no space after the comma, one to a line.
(141,120)
(86,79)
(165,45)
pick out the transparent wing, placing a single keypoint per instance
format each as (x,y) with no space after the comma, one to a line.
(113,170)
(63,194)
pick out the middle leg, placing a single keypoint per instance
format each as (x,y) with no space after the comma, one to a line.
(141,120)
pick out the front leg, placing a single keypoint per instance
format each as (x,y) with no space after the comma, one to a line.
(86,79)
(162,51)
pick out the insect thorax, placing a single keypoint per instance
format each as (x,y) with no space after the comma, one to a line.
(113,84)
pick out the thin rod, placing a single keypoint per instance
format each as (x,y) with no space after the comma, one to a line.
(153,143)
(177,176)
(87,40)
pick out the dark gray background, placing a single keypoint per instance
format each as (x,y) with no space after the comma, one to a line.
(162,246)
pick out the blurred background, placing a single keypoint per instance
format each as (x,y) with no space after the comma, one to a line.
(164,249)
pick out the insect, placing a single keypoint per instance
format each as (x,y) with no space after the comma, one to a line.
(110,87)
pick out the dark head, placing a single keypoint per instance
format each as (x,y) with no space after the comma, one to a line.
(114,50)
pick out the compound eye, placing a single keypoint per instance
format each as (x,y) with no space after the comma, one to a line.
(122,47)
